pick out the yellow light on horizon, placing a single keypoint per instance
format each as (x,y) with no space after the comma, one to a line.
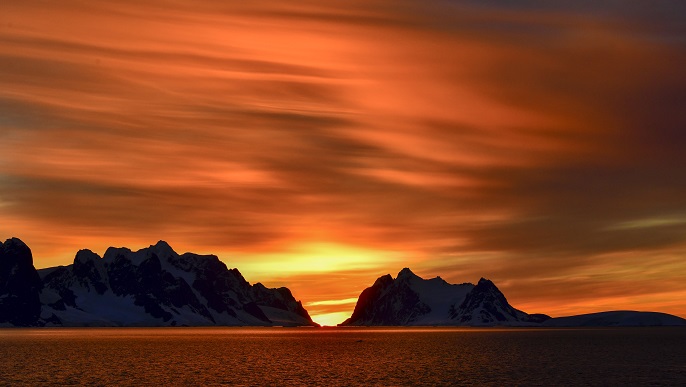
(316,257)
(331,319)
(333,302)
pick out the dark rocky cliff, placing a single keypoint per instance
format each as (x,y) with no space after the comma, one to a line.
(19,285)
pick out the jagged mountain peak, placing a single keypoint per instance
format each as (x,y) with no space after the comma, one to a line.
(383,281)
(14,242)
(486,305)
(153,286)
(162,248)
(113,252)
(406,300)
(412,300)
(14,252)
(15,247)
(85,255)
(406,273)
(487,285)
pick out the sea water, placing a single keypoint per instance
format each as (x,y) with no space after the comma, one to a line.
(342,356)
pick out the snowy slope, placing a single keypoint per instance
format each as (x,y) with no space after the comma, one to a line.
(156,286)
(437,294)
(486,305)
(411,300)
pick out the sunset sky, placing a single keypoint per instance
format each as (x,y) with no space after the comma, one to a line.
(319,145)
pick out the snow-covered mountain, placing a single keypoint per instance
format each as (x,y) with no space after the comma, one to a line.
(619,318)
(411,300)
(154,286)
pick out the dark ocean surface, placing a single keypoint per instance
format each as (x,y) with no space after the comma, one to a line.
(342,356)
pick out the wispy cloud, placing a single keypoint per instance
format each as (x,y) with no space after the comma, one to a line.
(346,301)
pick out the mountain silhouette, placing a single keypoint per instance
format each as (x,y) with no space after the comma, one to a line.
(153,286)
(19,284)
(156,286)
(617,318)
(409,300)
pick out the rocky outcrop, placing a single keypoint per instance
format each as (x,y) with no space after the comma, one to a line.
(19,285)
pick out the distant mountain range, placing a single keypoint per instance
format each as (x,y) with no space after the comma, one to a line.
(617,318)
(409,300)
(154,286)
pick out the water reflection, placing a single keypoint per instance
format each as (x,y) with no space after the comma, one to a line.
(350,356)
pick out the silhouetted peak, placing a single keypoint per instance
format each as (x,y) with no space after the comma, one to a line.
(236,273)
(19,284)
(438,279)
(162,248)
(285,292)
(406,273)
(113,252)
(17,251)
(486,290)
(485,283)
(260,286)
(383,281)
(85,255)
(14,242)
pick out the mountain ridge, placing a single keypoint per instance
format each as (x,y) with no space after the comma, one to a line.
(617,318)
(409,300)
(153,286)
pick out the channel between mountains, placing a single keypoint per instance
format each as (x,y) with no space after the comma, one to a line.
(156,286)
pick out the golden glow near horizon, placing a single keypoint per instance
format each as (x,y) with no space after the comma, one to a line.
(319,146)
(317,258)
(333,318)
(321,259)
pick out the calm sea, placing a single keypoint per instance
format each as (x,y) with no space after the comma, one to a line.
(342,357)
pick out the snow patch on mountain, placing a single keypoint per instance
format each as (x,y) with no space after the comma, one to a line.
(154,286)
(435,293)
(411,300)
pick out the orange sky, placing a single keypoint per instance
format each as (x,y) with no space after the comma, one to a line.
(538,144)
